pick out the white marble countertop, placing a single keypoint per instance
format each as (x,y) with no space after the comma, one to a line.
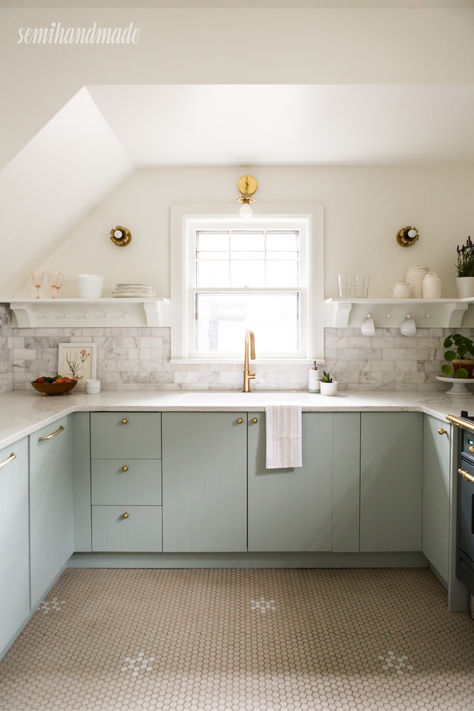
(22,413)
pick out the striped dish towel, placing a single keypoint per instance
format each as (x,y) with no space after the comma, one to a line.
(284,436)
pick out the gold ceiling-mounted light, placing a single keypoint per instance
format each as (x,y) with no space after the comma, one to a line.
(247,187)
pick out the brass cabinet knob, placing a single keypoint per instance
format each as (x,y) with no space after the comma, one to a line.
(125,468)
(471,449)
(125,514)
(254,420)
(124,421)
(442,432)
(239,420)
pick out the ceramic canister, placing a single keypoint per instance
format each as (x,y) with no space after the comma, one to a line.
(431,286)
(415,276)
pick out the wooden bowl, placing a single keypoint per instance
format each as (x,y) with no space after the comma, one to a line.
(54,388)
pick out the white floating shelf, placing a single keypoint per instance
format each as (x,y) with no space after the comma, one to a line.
(389,313)
(87,313)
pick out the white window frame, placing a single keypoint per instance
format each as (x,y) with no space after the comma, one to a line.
(185,219)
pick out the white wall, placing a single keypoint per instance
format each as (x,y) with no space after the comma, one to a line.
(364,208)
(243,46)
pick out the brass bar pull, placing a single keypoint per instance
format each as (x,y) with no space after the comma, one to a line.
(53,434)
(125,515)
(460,423)
(465,475)
(441,431)
(8,460)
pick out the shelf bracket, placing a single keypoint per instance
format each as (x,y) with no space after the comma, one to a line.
(455,313)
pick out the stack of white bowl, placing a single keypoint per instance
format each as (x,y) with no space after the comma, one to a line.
(90,285)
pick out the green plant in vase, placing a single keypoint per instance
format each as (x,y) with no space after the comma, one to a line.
(458,366)
(326,377)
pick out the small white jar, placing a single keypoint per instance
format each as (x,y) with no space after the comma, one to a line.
(92,386)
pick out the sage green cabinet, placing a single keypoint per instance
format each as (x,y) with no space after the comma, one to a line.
(436,499)
(132,529)
(312,508)
(391,481)
(134,435)
(14,543)
(51,504)
(204,482)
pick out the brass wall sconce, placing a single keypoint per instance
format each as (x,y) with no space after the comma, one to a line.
(247,187)
(120,236)
(407,236)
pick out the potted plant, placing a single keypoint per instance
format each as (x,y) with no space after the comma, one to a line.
(465,267)
(327,385)
(458,365)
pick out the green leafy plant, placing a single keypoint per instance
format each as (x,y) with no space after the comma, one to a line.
(458,348)
(326,377)
(465,264)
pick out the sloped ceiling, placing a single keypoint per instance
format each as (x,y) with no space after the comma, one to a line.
(58,177)
(290,124)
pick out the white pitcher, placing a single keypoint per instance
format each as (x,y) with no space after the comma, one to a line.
(431,286)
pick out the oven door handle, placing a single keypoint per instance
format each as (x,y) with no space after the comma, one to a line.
(465,475)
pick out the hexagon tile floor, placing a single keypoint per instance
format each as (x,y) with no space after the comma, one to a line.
(242,640)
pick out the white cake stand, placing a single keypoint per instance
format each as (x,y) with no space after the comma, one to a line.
(459,385)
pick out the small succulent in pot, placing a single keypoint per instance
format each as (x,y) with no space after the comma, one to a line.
(458,366)
(328,385)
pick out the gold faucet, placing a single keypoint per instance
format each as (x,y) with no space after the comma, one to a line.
(249,354)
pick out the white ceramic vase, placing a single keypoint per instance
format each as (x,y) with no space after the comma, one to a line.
(465,286)
(328,388)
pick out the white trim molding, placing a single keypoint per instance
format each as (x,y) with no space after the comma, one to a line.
(184,218)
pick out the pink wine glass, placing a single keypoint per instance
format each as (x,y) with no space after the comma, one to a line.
(37,277)
(55,281)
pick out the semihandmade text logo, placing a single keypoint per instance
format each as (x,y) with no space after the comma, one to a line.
(57,33)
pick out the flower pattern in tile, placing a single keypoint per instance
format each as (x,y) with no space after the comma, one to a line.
(397,664)
(54,603)
(262,605)
(138,664)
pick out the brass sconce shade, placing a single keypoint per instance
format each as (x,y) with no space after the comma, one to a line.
(247,187)
(407,236)
(120,236)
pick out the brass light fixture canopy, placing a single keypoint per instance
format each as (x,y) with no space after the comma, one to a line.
(120,236)
(247,187)
(407,236)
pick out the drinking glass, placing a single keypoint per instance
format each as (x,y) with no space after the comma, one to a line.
(361,286)
(55,281)
(344,285)
(37,277)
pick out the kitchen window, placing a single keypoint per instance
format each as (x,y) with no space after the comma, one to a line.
(230,274)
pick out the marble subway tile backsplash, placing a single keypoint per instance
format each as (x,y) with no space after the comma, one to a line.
(6,350)
(139,359)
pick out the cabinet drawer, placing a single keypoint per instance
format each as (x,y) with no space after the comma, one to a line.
(126,434)
(139,532)
(126,481)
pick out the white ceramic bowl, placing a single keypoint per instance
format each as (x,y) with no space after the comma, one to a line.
(90,285)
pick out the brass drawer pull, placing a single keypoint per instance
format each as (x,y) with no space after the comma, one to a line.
(254,420)
(465,475)
(8,460)
(239,420)
(125,514)
(53,434)
(471,449)
(442,432)
(125,468)
(124,421)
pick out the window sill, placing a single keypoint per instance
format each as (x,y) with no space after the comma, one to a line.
(239,361)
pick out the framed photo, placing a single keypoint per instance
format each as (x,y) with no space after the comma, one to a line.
(78,361)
